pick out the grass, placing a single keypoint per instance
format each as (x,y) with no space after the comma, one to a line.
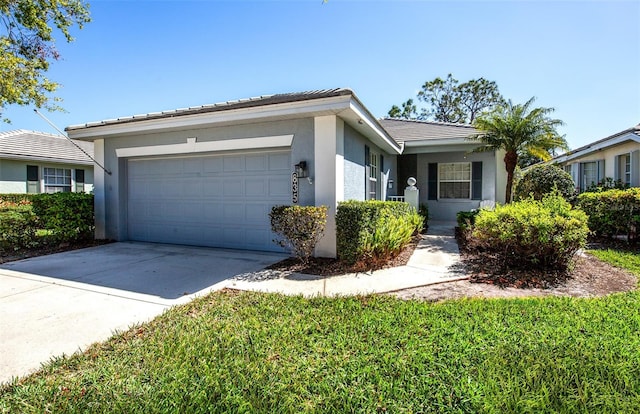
(252,352)
(625,259)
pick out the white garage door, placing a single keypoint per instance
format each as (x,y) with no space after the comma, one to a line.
(217,201)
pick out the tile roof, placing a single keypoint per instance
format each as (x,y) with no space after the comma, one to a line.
(403,130)
(262,100)
(32,145)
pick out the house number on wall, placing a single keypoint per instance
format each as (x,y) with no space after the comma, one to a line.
(294,188)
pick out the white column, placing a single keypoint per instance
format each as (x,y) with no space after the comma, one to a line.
(99,190)
(329,175)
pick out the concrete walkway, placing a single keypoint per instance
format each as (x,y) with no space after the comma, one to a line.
(435,260)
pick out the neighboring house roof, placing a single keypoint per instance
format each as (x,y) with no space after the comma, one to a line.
(339,101)
(403,130)
(630,134)
(39,146)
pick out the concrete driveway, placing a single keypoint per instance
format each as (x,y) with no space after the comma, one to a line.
(61,303)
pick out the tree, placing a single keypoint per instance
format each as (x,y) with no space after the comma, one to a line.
(518,129)
(408,110)
(451,101)
(27,47)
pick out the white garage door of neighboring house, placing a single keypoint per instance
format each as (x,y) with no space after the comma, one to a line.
(216,201)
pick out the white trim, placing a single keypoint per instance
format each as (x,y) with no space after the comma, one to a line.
(596,147)
(192,146)
(331,105)
(470,180)
(361,113)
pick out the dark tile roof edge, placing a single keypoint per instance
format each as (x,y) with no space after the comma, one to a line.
(262,100)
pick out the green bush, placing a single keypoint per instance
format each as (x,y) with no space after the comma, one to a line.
(423,211)
(612,212)
(607,183)
(16,198)
(69,216)
(542,234)
(543,179)
(300,228)
(374,230)
(18,229)
(466,219)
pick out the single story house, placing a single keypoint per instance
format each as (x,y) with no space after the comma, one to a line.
(37,162)
(209,175)
(616,156)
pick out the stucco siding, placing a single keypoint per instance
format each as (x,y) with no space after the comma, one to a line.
(447,209)
(115,185)
(13,175)
(355,165)
(607,155)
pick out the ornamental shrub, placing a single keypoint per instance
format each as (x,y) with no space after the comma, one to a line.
(542,234)
(607,183)
(18,229)
(374,230)
(612,212)
(542,179)
(466,219)
(69,216)
(300,228)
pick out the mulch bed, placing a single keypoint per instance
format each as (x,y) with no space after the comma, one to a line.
(10,256)
(323,266)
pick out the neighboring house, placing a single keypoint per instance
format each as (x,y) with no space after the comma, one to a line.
(36,162)
(450,177)
(616,156)
(209,175)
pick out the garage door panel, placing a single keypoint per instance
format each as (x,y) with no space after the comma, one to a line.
(218,201)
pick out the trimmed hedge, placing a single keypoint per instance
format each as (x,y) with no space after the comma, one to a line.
(300,228)
(374,230)
(543,234)
(69,216)
(17,198)
(18,228)
(612,212)
(542,179)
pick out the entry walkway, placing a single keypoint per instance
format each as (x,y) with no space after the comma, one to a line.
(435,260)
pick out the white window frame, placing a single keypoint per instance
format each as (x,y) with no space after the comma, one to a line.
(374,169)
(584,183)
(46,174)
(454,180)
(624,167)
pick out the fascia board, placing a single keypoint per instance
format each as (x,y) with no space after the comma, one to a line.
(384,140)
(288,109)
(439,142)
(43,159)
(597,147)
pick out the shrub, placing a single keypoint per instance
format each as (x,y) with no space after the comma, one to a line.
(69,216)
(542,179)
(466,219)
(17,198)
(605,184)
(374,230)
(18,229)
(300,228)
(532,233)
(423,211)
(612,212)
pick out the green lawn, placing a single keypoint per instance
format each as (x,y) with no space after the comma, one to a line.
(250,352)
(625,260)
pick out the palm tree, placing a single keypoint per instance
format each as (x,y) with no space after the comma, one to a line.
(518,129)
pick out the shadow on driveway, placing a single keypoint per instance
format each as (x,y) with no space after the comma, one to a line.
(160,270)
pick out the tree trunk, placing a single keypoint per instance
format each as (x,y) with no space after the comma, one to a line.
(510,162)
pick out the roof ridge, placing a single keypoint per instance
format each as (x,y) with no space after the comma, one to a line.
(421,121)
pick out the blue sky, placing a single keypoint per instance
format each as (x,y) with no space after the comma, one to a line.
(582,58)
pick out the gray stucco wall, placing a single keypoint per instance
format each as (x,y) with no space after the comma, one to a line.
(116,184)
(13,174)
(354,164)
(447,209)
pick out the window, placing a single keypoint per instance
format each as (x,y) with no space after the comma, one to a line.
(567,168)
(454,180)
(624,169)
(33,182)
(373,175)
(589,174)
(57,180)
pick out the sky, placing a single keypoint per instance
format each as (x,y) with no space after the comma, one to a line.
(580,57)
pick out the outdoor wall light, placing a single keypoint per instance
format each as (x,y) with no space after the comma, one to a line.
(390,184)
(301,169)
